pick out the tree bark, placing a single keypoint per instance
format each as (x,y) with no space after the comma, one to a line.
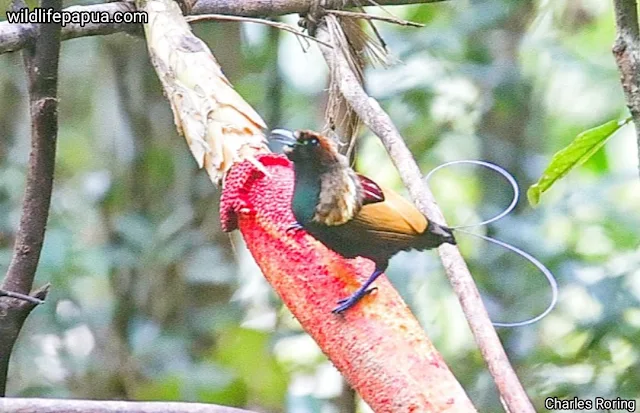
(626,50)
(41,64)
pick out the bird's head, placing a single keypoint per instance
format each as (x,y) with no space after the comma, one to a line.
(307,147)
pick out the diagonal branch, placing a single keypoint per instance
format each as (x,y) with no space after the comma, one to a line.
(17,36)
(456,269)
(626,50)
(380,348)
(41,64)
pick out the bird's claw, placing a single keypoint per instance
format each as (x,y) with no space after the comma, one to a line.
(348,302)
(294,228)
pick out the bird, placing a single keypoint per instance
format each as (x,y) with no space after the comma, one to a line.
(350,213)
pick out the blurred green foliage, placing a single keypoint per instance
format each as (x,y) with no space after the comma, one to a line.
(151,301)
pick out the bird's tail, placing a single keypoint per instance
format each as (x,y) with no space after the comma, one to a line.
(441,233)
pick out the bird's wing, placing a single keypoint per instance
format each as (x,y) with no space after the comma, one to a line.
(371,192)
(395,217)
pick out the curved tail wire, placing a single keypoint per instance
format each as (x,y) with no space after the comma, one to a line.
(516,193)
(544,270)
(501,171)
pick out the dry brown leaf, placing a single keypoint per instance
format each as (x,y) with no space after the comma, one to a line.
(220,127)
(359,48)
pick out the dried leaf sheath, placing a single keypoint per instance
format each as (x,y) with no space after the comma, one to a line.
(218,125)
(359,49)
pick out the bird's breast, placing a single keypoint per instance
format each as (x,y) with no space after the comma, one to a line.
(339,199)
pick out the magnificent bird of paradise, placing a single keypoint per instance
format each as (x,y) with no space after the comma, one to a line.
(349,213)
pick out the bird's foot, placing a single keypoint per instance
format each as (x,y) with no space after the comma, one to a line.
(294,228)
(347,303)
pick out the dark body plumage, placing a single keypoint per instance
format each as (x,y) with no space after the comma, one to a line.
(350,213)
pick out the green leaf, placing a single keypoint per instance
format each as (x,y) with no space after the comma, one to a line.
(583,147)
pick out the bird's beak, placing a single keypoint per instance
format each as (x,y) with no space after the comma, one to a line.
(282,140)
(283,136)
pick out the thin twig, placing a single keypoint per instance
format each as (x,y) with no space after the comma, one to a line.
(375,31)
(9,405)
(278,25)
(367,16)
(33,300)
(626,50)
(41,65)
(260,8)
(455,267)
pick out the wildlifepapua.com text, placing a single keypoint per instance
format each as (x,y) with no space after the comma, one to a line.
(81,17)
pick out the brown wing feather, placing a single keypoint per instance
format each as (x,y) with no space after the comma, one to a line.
(394,218)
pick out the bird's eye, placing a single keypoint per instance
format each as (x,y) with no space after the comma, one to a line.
(309,142)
